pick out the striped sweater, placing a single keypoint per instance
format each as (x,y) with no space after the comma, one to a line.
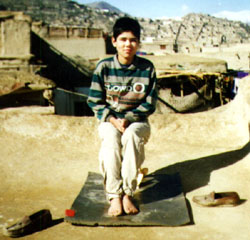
(123,92)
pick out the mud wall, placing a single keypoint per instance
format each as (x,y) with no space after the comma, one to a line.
(88,48)
(15,37)
(224,127)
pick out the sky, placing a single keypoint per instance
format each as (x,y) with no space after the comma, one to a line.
(230,9)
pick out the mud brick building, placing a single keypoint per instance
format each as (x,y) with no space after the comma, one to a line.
(15,44)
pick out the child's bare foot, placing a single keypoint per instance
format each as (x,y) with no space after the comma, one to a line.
(128,205)
(115,208)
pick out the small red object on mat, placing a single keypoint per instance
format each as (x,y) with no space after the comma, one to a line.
(70,212)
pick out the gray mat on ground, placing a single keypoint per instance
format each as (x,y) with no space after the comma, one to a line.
(160,200)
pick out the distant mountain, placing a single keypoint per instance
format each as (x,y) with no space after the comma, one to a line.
(104,6)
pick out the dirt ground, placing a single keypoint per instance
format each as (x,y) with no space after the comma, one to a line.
(45,159)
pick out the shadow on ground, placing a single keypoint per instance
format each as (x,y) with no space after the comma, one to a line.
(196,173)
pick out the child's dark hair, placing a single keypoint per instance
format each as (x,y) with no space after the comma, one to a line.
(126,24)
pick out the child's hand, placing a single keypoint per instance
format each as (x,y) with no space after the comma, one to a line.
(124,124)
(120,124)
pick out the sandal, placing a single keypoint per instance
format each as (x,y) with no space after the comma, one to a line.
(218,199)
(29,224)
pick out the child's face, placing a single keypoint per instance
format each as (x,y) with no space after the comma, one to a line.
(126,45)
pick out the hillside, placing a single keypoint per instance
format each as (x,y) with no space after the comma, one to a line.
(193,28)
(104,6)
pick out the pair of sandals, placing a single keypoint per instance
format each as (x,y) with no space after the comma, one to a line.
(43,219)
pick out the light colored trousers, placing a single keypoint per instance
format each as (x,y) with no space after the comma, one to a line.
(121,155)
